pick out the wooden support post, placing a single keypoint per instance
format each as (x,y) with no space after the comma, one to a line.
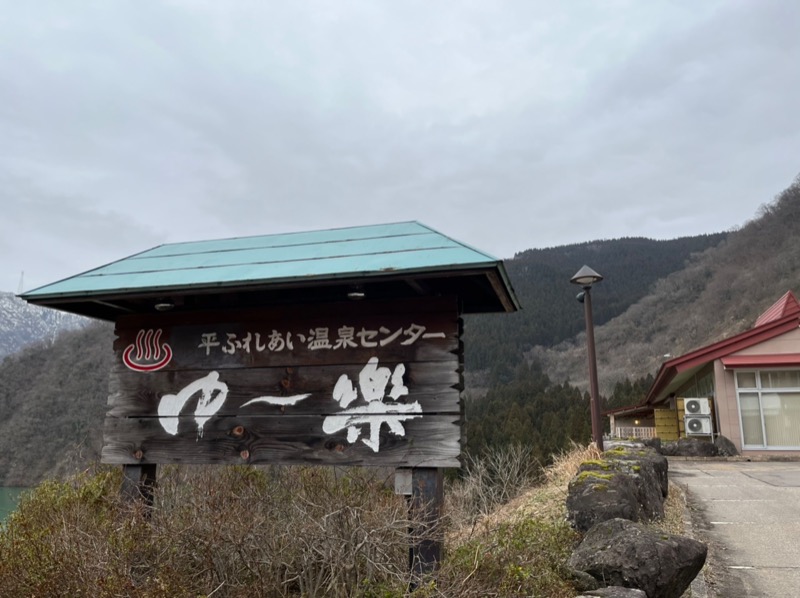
(427,495)
(138,483)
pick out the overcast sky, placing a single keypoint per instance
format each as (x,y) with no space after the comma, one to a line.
(505,124)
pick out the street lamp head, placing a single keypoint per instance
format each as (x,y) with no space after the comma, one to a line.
(586,277)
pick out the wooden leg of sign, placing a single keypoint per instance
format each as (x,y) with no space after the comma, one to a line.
(138,483)
(427,495)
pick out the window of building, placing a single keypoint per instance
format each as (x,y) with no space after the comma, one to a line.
(769,406)
(701,386)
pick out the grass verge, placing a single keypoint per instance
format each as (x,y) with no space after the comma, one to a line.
(237,532)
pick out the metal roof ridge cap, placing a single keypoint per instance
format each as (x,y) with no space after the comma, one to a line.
(139,255)
(296,232)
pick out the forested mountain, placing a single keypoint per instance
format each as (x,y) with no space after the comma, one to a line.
(550,314)
(719,293)
(529,410)
(658,297)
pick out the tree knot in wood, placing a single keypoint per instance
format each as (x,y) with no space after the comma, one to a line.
(333,445)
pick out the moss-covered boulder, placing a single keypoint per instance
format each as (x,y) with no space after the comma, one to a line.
(597,495)
(629,481)
(649,471)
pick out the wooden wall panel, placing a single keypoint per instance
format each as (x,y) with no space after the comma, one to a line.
(666,423)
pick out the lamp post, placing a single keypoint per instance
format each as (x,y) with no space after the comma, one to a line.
(586,277)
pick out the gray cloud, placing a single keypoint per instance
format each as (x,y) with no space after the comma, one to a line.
(507,125)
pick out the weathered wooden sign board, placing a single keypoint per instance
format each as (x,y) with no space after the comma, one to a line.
(356,383)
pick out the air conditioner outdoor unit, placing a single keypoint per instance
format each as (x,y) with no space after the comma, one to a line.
(697,406)
(697,425)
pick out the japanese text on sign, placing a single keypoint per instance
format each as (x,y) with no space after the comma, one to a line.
(316,339)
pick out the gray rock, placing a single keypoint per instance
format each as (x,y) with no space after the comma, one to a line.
(628,444)
(582,581)
(623,553)
(595,496)
(660,466)
(725,447)
(627,481)
(689,447)
(650,471)
(654,443)
(614,592)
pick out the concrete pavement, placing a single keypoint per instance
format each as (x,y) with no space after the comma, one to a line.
(749,514)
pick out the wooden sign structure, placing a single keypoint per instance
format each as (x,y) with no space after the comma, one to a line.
(345,384)
(337,347)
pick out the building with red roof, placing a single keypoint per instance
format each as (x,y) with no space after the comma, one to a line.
(746,387)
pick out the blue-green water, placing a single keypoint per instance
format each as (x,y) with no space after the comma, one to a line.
(8,501)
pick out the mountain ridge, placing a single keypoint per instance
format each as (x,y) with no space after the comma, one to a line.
(23,324)
(719,293)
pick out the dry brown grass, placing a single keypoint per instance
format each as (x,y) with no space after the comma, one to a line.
(239,532)
(233,532)
(674,507)
(546,500)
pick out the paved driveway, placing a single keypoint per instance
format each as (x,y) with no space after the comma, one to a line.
(749,514)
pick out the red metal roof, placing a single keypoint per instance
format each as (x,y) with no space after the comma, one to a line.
(764,361)
(748,338)
(785,306)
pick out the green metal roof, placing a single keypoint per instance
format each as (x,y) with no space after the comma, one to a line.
(358,254)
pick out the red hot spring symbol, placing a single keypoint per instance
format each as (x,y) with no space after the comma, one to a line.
(150,355)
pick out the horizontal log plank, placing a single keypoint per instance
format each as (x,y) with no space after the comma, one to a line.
(421,306)
(281,337)
(145,404)
(430,441)
(434,385)
(186,354)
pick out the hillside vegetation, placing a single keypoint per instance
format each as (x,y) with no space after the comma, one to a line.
(550,314)
(52,403)
(720,292)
